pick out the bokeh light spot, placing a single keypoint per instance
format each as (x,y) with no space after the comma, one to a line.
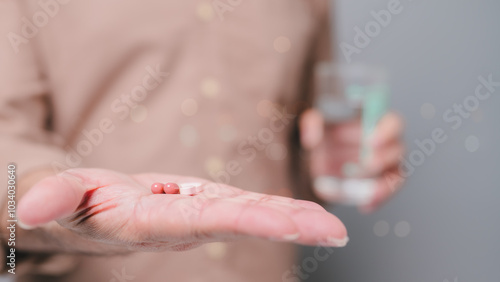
(216,250)
(204,11)
(189,107)
(282,44)
(381,228)
(188,136)
(402,229)
(472,143)
(276,151)
(210,88)
(427,111)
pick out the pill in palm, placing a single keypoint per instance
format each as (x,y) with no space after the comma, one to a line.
(157,188)
(171,188)
(190,189)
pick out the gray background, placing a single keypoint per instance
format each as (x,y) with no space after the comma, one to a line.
(434,51)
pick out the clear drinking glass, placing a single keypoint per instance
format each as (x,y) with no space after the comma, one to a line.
(349,94)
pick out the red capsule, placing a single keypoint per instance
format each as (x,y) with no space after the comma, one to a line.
(157,188)
(171,188)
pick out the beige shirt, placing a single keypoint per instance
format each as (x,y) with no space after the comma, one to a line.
(180,87)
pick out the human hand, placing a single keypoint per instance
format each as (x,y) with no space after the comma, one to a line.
(119,211)
(331,146)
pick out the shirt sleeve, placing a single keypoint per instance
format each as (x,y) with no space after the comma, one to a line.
(25,138)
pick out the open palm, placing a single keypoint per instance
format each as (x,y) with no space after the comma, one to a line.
(120,210)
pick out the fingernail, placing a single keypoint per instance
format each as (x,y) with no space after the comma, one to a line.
(291,237)
(25,226)
(338,242)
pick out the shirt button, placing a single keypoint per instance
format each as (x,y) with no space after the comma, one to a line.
(216,250)
(204,11)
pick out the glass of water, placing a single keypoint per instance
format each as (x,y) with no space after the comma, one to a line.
(357,96)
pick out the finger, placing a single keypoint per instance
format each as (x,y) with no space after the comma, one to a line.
(261,216)
(332,161)
(205,219)
(311,128)
(384,158)
(64,192)
(276,202)
(345,133)
(299,203)
(254,215)
(337,154)
(309,205)
(387,186)
(320,228)
(388,130)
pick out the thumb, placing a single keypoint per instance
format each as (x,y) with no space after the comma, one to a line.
(311,128)
(50,199)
